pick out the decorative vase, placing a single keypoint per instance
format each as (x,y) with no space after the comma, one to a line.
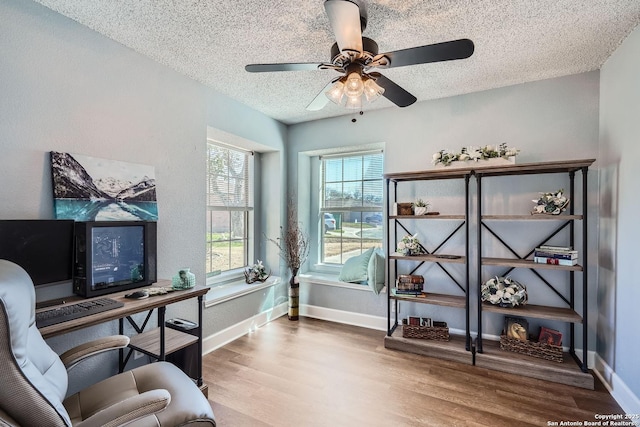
(294,295)
(420,210)
(185,279)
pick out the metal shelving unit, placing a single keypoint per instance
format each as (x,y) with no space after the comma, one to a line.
(488,354)
(458,348)
(567,373)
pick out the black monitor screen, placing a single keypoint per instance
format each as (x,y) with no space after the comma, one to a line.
(117,255)
(44,248)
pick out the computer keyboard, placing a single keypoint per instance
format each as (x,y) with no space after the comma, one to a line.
(74,311)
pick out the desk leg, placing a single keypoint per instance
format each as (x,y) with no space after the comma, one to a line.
(161,313)
(199,379)
(121,351)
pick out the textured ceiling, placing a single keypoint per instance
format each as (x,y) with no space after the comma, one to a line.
(211,41)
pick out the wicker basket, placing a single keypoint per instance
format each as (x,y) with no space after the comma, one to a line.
(530,348)
(425,332)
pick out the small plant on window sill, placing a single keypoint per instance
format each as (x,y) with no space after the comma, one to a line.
(256,273)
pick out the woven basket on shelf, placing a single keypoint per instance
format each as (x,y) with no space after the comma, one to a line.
(530,348)
(425,332)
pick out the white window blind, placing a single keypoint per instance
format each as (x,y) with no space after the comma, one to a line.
(352,183)
(228,178)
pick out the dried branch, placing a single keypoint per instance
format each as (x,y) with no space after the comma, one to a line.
(293,242)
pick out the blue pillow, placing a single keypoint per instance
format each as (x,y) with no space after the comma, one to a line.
(375,271)
(355,268)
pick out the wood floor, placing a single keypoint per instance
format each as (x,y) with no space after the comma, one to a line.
(316,373)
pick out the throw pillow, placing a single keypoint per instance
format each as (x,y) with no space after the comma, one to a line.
(375,271)
(355,268)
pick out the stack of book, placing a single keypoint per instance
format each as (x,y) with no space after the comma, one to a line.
(557,255)
(408,284)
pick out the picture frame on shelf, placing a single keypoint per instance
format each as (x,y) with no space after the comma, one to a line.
(550,336)
(516,328)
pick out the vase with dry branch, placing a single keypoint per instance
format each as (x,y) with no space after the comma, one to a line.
(293,244)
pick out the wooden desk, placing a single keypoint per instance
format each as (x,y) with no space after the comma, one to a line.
(157,342)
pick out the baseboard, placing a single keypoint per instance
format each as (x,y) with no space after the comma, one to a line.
(628,401)
(346,317)
(219,339)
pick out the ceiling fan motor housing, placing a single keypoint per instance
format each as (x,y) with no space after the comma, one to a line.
(369,46)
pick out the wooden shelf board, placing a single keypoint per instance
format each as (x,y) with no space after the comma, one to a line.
(568,372)
(453,350)
(429,258)
(526,263)
(559,166)
(530,217)
(434,299)
(455,217)
(439,173)
(149,342)
(536,311)
(131,306)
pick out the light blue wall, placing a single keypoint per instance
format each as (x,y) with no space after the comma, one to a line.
(618,285)
(66,88)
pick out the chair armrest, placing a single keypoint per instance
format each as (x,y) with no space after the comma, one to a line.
(75,355)
(129,410)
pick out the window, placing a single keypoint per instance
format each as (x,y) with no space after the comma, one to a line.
(350,205)
(229,203)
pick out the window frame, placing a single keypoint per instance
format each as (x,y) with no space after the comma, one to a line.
(232,274)
(322,264)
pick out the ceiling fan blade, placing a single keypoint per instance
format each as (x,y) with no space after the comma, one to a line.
(344,17)
(393,92)
(321,99)
(262,68)
(447,51)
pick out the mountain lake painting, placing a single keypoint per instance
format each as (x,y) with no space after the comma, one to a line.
(90,189)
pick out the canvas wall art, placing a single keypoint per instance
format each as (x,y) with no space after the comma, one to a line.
(92,189)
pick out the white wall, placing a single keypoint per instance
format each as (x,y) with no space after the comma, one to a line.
(555,119)
(66,88)
(618,285)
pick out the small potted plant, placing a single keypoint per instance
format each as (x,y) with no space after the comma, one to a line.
(420,207)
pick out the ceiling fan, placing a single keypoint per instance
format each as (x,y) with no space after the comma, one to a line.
(355,56)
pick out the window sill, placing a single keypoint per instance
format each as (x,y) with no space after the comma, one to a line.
(325,279)
(235,289)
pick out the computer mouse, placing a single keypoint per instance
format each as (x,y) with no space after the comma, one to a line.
(137,295)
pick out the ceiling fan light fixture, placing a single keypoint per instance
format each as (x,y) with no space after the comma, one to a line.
(354,85)
(372,90)
(336,93)
(354,102)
